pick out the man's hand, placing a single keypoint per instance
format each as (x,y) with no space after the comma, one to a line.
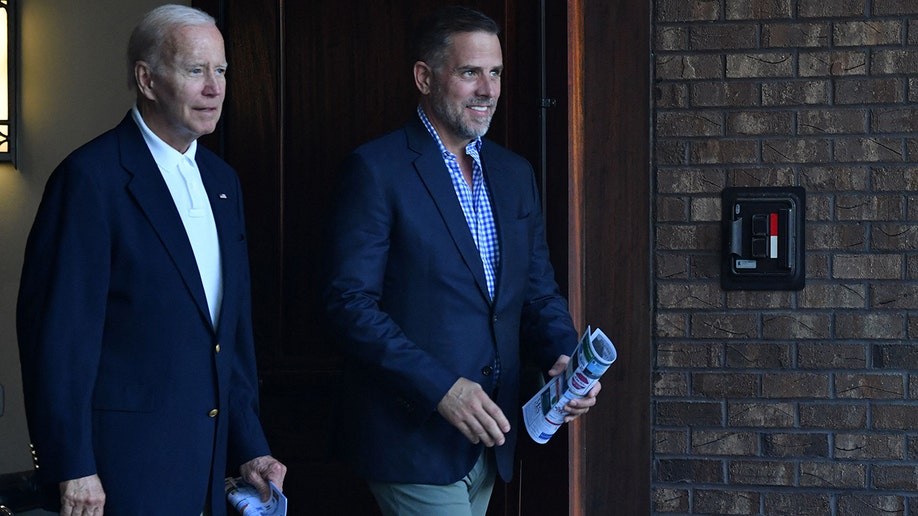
(576,407)
(467,407)
(82,496)
(261,470)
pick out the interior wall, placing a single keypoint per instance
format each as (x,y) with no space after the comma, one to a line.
(74,86)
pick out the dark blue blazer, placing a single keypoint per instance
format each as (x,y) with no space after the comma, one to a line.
(408,298)
(123,373)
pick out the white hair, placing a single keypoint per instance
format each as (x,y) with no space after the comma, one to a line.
(150,35)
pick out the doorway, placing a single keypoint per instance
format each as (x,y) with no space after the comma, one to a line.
(309,81)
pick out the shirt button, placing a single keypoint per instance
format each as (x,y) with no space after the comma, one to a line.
(213,413)
(487,370)
(217,348)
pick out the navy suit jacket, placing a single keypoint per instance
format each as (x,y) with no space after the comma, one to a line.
(123,372)
(408,297)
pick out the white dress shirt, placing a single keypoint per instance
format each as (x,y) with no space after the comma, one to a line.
(184,181)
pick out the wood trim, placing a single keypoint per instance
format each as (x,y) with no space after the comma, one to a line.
(610,247)
(575,160)
(575,224)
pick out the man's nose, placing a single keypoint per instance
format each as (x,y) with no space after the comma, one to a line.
(489,86)
(214,83)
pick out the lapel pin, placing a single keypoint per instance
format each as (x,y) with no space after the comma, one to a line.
(222,196)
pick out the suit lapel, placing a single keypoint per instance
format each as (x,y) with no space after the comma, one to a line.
(433,172)
(502,191)
(223,204)
(152,195)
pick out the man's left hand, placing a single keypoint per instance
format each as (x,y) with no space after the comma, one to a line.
(261,470)
(579,406)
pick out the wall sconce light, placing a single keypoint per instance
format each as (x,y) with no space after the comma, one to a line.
(9,104)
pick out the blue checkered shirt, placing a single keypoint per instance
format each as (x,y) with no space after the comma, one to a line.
(476,205)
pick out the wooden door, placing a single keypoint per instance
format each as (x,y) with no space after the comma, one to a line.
(308,82)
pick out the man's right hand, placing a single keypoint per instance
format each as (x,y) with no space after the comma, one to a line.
(467,407)
(82,496)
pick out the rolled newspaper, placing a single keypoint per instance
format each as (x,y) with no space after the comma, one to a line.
(544,413)
(244,498)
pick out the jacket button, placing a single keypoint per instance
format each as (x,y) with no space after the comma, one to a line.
(494,318)
(213,413)
(487,370)
(217,348)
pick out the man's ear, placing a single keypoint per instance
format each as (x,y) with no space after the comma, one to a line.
(423,75)
(143,75)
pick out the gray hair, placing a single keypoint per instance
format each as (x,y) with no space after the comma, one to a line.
(150,35)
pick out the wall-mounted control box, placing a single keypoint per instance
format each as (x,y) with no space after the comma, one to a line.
(763,238)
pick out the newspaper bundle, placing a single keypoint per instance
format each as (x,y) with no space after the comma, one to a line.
(247,502)
(544,413)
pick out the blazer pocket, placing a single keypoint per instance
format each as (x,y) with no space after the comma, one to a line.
(523,213)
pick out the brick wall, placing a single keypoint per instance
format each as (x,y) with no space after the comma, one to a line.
(783,402)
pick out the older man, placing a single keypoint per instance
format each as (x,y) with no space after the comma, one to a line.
(134,307)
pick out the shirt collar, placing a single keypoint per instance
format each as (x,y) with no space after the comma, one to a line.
(473,145)
(166,157)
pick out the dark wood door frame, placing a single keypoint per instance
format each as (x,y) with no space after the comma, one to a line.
(609,246)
